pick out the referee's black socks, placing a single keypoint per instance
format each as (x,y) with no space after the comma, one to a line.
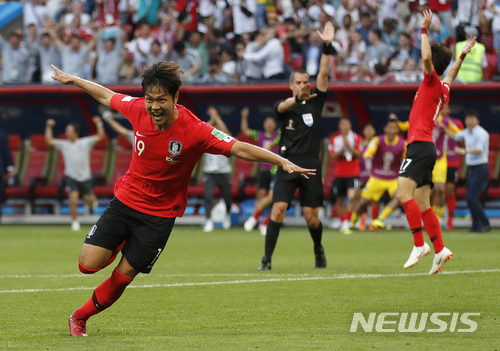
(316,235)
(273,231)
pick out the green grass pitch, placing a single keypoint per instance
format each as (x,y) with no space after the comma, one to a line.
(205,293)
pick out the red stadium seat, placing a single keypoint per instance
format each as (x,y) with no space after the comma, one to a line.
(494,141)
(38,160)
(243,179)
(328,178)
(490,71)
(487,41)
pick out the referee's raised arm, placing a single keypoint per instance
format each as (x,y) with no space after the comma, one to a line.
(98,92)
(324,65)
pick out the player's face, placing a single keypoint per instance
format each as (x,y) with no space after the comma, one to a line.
(299,81)
(344,126)
(471,122)
(161,107)
(391,130)
(70,132)
(269,125)
(369,132)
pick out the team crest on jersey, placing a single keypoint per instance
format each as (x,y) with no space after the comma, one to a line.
(175,148)
(308,119)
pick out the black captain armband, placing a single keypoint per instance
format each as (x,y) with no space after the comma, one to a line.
(327,49)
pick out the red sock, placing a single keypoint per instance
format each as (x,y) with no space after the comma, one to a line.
(104,295)
(348,215)
(342,218)
(257,214)
(375,211)
(266,220)
(335,212)
(414,218)
(433,229)
(451,202)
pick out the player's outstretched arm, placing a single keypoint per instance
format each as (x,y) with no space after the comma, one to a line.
(324,64)
(251,152)
(98,92)
(49,135)
(426,47)
(453,71)
(117,127)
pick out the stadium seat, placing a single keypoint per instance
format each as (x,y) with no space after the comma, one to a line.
(119,162)
(16,146)
(243,179)
(490,71)
(487,41)
(38,159)
(494,141)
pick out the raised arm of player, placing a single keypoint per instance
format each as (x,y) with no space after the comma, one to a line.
(324,64)
(49,135)
(453,71)
(98,92)
(426,47)
(254,153)
(245,112)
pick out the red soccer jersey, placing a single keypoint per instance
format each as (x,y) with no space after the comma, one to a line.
(440,5)
(428,103)
(162,162)
(343,167)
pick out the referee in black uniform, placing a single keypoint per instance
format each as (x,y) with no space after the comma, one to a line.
(299,118)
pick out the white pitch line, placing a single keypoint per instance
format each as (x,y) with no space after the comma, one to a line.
(80,275)
(339,276)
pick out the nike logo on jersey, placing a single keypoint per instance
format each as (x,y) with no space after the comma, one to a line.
(137,133)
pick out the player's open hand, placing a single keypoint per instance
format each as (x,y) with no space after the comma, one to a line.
(245,112)
(427,19)
(50,123)
(305,93)
(293,168)
(469,45)
(328,33)
(61,76)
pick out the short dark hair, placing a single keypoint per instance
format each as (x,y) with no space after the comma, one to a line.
(179,46)
(156,42)
(404,34)
(368,125)
(391,120)
(380,69)
(45,34)
(76,126)
(472,113)
(377,32)
(347,118)
(162,75)
(214,60)
(15,34)
(301,71)
(441,57)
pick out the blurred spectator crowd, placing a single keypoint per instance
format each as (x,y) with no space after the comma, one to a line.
(229,41)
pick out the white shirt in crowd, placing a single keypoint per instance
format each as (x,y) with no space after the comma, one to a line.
(270,57)
(241,22)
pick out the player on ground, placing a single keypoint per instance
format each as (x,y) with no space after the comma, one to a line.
(386,153)
(269,140)
(452,173)
(415,174)
(345,148)
(169,141)
(299,118)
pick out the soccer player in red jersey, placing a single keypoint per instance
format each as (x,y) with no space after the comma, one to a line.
(169,140)
(415,174)
(345,148)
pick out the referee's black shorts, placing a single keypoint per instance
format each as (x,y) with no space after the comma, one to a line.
(311,190)
(146,235)
(419,163)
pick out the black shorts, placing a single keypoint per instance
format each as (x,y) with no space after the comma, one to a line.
(85,187)
(146,235)
(311,190)
(341,185)
(419,163)
(266,179)
(452,175)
